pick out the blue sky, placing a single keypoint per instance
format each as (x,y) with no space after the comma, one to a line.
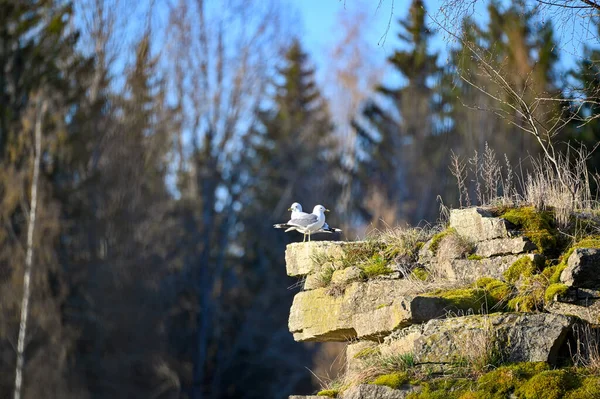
(319,28)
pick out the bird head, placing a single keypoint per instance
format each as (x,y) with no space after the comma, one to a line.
(296,207)
(320,209)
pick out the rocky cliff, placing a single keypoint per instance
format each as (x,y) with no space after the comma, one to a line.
(499,304)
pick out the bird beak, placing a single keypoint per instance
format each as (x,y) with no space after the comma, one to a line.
(290,209)
(327,210)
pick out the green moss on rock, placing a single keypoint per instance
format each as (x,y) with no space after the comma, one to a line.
(522,303)
(500,383)
(553,290)
(465,298)
(366,352)
(420,273)
(536,225)
(498,290)
(393,380)
(377,265)
(437,238)
(521,267)
(587,242)
(550,384)
(330,393)
(446,388)
(590,388)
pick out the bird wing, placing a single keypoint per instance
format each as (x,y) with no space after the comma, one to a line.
(303,220)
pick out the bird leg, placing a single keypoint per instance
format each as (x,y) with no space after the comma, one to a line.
(304,239)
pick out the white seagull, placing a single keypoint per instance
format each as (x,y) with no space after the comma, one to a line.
(297,213)
(309,223)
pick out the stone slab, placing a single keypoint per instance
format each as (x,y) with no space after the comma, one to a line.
(478,224)
(367,310)
(583,269)
(527,337)
(504,246)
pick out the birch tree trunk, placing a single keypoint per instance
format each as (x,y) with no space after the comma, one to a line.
(29,255)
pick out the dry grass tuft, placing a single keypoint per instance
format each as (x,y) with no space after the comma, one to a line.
(586,350)
(561,183)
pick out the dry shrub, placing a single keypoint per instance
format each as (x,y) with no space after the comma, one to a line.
(585,348)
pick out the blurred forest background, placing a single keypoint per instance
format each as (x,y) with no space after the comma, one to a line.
(156,270)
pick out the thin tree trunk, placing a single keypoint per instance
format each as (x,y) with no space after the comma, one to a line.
(29,255)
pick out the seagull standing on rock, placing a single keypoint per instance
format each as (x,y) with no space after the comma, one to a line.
(309,223)
(300,217)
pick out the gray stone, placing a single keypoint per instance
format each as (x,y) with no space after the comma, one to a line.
(585,309)
(353,355)
(468,271)
(583,269)
(504,246)
(346,275)
(368,310)
(369,391)
(478,224)
(312,282)
(305,397)
(527,337)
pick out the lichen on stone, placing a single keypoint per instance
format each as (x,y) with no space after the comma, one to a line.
(475,257)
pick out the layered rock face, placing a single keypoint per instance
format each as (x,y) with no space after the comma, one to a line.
(391,314)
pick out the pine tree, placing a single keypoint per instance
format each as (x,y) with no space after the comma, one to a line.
(406,126)
(292,158)
(297,146)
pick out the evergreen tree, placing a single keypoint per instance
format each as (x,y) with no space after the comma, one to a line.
(128,217)
(296,142)
(292,158)
(406,127)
